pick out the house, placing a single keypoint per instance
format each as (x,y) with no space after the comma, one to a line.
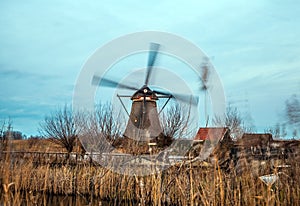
(213,134)
(213,143)
(254,140)
(264,146)
(260,153)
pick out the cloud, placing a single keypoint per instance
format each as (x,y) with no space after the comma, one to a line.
(45,44)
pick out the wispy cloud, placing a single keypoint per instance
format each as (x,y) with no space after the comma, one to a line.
(44,45)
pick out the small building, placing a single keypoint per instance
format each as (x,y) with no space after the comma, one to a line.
(261,153)
(216,141)
(254,140)
(213,134)
(265,146)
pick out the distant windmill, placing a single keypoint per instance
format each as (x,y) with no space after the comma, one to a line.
(204,87)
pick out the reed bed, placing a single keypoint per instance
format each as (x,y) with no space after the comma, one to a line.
(183,184)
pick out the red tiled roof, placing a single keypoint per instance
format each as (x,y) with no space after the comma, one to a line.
(211,133)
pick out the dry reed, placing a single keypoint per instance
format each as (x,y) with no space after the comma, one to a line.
(184,184)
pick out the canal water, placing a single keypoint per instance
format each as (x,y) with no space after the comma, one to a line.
(52,200)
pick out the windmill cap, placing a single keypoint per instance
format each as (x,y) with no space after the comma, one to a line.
(145,91)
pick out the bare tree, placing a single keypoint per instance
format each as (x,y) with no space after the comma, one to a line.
(278,131)
(101,128)
(174,122)
(108,122)
(233,120)
(60,128)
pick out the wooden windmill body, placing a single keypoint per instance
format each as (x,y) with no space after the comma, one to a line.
(143,123)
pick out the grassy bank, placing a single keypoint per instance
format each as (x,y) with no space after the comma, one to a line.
(182,184)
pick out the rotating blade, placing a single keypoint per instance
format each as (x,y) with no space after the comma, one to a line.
(110,83)
(151,60)
(204,77)
(191,99)
(162,93)
(181,97)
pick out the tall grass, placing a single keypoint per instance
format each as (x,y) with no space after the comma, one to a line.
(183,184)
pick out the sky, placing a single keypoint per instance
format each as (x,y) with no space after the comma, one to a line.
(253,45)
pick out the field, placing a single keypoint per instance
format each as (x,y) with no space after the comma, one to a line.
(25,182)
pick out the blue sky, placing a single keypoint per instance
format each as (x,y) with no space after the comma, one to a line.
(254,46)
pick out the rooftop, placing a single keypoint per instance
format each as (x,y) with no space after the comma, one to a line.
(211,133)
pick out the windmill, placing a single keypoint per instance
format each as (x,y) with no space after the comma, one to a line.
(143,122)
(204,88)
